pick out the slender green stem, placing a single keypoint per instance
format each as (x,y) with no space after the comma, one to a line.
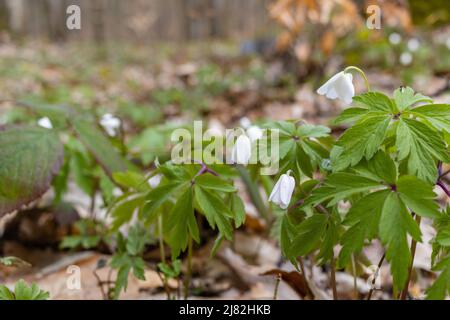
(187,282)
(350,68)
(355,284)
(253,191)
(162,253)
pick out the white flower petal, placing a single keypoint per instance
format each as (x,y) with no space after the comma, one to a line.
(45,123)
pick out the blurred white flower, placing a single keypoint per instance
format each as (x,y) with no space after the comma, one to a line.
(339,86)
(395,38)
(45,123)
(413,44)
(447,43)
(245,122)
(110,123)
(155,180)
(255,133)
(282,191)
(242,150)
(406,58)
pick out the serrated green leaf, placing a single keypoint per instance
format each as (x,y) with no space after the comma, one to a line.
(422,147)
(441,286)
(395,224)
(312,131)
(209,181)
(156,197)
(308,235)
(375,101)
(438,115)
(100,147)
(238,208)
(339,186)
(182,223)
(418,196)
(350,115)
(363,219)
(404,97)
(215,211)
(361,140)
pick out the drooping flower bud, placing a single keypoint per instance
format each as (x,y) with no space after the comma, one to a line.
(45,123)
(255,133)
(242,150)
(339,86)
(282,192)
(110,124)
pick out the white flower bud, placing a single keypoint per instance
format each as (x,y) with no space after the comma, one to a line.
(45,123)
(282,192)
(255,133)
(242,150)
(155,180)
(110,124)
(339,86)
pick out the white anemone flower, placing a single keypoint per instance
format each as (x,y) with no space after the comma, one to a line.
(282,191)
(413,44)
(339,86)
(45,123)
(406,58)
(255,133)
(242,150)
(110,123)
(245,122)
(395,38)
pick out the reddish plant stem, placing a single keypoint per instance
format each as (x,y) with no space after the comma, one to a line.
(376,276)
(443,187)
(205,169)
(413,253)
(333,278)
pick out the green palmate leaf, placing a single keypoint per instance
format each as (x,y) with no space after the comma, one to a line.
(363,219)
(381,168)
(287,233)
(101,148)
(131,179)
(422,147)
(312,131)
(215,211)
(308,235)
(209,181)
(438,115)
(126,263)
(404,97)
(361,140)
(395,224)
(418,196)
(14,262)
(156,197)
(375,102)
(182,223)
(123,211)
(30,157)
(441,286)
(350,115)
(23,292)
(338,186)
(330,239)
